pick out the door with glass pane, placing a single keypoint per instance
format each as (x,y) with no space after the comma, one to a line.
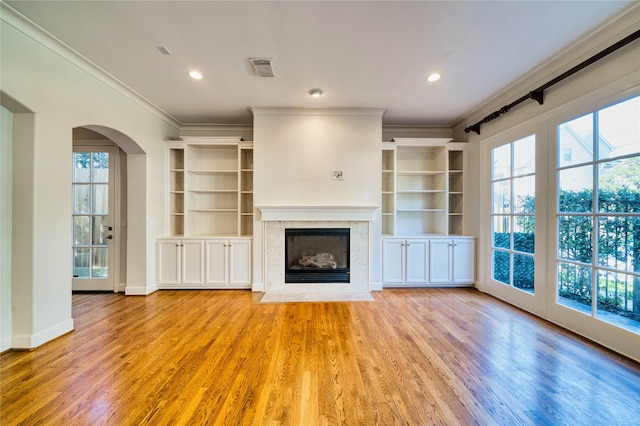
(93,228)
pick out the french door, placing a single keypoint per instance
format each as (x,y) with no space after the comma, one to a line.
(92,215)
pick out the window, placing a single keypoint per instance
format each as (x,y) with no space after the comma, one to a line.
(598,217)
(513,213)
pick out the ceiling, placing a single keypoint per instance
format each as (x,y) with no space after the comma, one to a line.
(361,53)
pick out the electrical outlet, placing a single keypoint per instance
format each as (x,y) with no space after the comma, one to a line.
(337,175)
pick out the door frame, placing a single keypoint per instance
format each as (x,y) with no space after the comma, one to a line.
(105,145)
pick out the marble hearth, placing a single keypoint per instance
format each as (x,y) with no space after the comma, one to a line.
(274,222)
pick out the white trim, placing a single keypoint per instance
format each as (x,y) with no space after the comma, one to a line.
(140,290)
(376,112)
(42,337)
(317,213)
(31,29)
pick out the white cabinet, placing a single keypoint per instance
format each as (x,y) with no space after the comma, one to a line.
(228,263)
(463,261)
(180,263)
(452,261)
(428,262)
(440,260)
(405,262)
(204,263)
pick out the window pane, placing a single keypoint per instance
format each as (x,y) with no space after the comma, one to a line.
(81,262)
(524,156)
(619,186)
(619,127)
(574,286)
(99,264)
(524,234)
(574,238)
(576,137)
(81,198)
(100,231)
(501,165)
(100,199)
(502,231)
(501,267)
(100,165)
(523,268)
(619,243)
(524,195)
(616,299)
(502,197)
(575,189)
(81,230)
(81,170)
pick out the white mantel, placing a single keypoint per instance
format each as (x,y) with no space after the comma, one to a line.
(317,213)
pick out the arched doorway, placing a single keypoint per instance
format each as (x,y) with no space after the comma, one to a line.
(99,213)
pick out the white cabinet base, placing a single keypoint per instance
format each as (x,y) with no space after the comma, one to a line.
(438,261)
(204,263)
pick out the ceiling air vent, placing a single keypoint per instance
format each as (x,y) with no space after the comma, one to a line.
(262,67)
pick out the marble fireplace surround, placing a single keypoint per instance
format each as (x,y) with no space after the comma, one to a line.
(275,219)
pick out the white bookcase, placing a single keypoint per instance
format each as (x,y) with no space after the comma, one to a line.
(422,204)
(210,204)
(388,190)
(210,187)
(176,190)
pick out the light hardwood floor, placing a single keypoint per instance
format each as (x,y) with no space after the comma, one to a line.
(412,357)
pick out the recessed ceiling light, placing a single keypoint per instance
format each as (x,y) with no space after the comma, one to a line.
(434,77)
(195,75)
(315,93)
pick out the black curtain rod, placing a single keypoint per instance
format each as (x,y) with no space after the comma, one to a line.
(538,94)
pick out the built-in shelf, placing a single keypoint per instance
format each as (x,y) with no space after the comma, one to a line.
(210,187)
(422,187)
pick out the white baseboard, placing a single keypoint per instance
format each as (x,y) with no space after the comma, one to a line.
(257,287)
(5,344)
(140,290)
(376,286)
(42,337)
(120,288)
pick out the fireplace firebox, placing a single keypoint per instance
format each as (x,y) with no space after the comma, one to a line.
(317,255)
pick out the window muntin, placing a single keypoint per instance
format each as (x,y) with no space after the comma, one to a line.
(598,218)
(513,213)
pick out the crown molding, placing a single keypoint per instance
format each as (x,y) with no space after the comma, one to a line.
(377,112)
(599,38)
(32,30)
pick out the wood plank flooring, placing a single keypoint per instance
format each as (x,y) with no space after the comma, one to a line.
(412,357)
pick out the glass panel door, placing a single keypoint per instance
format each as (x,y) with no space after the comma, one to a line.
(93,232)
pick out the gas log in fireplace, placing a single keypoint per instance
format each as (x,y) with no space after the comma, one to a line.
(316,255)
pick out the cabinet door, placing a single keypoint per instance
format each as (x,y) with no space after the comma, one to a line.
(393,261)
(440,261)
(169,257)
(192,262)
(240,263)
(417,261)
(216,262)
(463,261)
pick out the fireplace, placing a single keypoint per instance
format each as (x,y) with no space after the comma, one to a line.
(317,255)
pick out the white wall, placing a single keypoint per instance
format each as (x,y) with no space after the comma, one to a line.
(295,153)
(65,92)
(6,156)
(610,79)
